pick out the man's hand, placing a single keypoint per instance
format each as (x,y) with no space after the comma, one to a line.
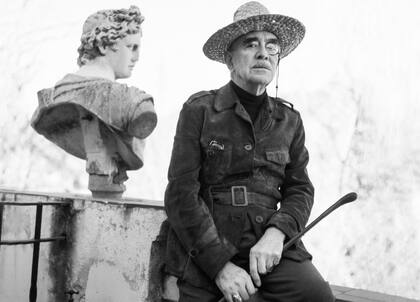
(233,280)
(266,254)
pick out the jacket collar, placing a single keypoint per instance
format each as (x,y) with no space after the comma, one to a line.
(276,109)
(226,98)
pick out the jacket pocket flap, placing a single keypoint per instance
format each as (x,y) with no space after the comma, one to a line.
(278,156)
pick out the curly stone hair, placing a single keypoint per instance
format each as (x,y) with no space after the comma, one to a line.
(105,28)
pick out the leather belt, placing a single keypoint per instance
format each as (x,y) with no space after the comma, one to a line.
(238,196)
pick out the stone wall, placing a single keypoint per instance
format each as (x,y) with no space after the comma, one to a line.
(105,257)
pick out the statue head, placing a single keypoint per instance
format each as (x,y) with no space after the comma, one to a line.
(115,35)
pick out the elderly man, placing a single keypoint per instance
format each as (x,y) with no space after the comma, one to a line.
(238,186)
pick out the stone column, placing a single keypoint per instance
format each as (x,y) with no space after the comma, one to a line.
(100,162)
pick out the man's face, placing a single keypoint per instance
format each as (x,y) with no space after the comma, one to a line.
(122,56)
(250,61)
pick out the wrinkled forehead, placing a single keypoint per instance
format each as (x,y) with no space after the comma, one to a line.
(261,36)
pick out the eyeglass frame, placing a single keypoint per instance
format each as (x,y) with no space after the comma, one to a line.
(273,42)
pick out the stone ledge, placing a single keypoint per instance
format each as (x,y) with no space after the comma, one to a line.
(348,294)
(126,201)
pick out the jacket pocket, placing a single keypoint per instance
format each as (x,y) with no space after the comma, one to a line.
(280,157)
(218,155)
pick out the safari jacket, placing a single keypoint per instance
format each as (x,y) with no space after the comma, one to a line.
(216,146)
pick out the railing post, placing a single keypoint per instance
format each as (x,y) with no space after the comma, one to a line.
(35,256)
(3,198)
(1,219)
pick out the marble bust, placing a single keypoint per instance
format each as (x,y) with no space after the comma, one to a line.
(90,115)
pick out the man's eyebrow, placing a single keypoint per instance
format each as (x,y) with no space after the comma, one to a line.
(274,40)
(249,40)
(253,39)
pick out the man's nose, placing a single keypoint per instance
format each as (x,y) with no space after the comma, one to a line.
(262,53)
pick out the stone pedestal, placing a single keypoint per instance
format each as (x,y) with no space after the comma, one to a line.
(105,176)
(102,186)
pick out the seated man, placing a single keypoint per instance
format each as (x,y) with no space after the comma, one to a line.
(238,186)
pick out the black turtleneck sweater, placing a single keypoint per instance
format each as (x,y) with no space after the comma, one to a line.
(252,103)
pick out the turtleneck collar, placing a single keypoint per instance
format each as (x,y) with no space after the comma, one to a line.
(252,103)
(246,96)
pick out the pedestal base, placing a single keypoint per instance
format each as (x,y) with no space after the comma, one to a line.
(102,186)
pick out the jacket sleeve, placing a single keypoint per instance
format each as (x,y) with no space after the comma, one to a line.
(187,212)
(297,190)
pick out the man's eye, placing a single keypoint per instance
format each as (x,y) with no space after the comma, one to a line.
(272,48)
(252,45)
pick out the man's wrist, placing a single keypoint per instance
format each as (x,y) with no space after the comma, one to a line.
(277,232)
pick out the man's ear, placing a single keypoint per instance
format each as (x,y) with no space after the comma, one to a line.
(228,60)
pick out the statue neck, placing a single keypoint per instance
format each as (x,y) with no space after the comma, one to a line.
(97,68)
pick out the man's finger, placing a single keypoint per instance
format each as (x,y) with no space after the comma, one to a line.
(269,268)
(228,298)
(261,263)
(243,293)
(269,264)
(250,287)
(276,261)
(253,270)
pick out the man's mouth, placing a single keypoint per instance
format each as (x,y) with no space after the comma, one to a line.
(261,66)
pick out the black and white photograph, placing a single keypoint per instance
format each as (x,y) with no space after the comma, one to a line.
(210,151)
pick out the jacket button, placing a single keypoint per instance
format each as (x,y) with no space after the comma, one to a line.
(259,219)
(193,253)
(248,147)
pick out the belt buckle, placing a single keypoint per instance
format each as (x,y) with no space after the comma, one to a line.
(239,196)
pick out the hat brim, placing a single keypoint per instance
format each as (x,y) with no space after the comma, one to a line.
(289,32)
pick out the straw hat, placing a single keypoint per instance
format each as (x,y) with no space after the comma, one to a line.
(253,16)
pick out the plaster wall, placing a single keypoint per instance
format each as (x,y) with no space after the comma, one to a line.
(105,258)
(18,223)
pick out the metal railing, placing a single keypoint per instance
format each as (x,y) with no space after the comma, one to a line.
(37,236)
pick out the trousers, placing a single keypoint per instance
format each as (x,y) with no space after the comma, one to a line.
(290,281)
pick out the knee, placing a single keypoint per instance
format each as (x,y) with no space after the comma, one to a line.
(319,291)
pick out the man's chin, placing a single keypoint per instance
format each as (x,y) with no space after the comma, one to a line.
(261,80)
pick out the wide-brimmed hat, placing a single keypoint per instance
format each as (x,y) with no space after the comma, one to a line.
(253,16)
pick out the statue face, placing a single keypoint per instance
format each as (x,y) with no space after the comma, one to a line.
(123,56)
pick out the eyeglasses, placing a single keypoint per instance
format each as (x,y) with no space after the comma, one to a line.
(271,47)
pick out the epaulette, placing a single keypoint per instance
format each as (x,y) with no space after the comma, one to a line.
(198,95)
(285,103)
